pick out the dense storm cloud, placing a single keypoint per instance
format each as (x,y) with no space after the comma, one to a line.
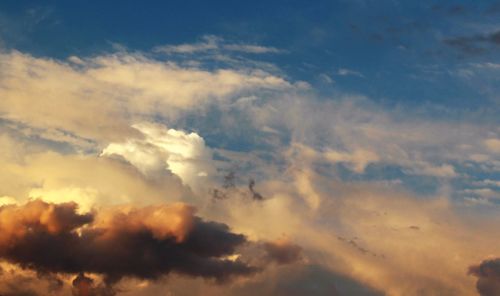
(144,243)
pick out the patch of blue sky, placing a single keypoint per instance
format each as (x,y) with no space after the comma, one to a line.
(402,50)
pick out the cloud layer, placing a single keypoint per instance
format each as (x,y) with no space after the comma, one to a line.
(315,195)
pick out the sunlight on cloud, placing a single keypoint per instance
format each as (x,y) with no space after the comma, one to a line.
(108,91)
(161,148)
(125,135)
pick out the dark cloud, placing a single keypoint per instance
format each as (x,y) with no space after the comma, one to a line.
(352,242)
(85,286)
(228,183)
(282,251)
(229,180)
(255,194)
(20,291)
(229,187)
(145,243)
(488,277)
(475,44)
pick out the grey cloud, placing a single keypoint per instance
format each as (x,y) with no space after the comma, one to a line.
(488,277)
(475,44)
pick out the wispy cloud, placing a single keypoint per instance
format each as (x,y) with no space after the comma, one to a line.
(349,72)
(475,44)
(213,43)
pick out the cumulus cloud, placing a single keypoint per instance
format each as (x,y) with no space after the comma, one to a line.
(145,243)
(160,148)
(88,180)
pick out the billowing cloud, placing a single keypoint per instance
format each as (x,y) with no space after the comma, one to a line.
(145,243)
(185,155)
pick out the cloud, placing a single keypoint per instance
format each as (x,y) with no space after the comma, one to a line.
(483,194)
(475,44)
(145,243)
(15,281)
(214,43)
(311,157)
(356,133)
(84,286)
(359,158)
(282,251)
(493,145)
(488,277)
(160,148)
(89,180)
(348,72)
(112,91)
(208,42)
(432,260)
(303,279)
(247,48)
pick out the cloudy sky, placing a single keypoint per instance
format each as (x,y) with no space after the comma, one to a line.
(249,148)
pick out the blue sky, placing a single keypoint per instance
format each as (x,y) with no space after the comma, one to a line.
(401,49)
(312,129)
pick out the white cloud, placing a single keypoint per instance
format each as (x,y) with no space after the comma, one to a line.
(214,43)
(86,198)
(112,91)
(160,148)
(481,195)
(427,169)
(358,159)
(247,48)
(487,65)
(349,72)
(488,182)
(208,42)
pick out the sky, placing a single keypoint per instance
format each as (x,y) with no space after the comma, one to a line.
(243,148)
